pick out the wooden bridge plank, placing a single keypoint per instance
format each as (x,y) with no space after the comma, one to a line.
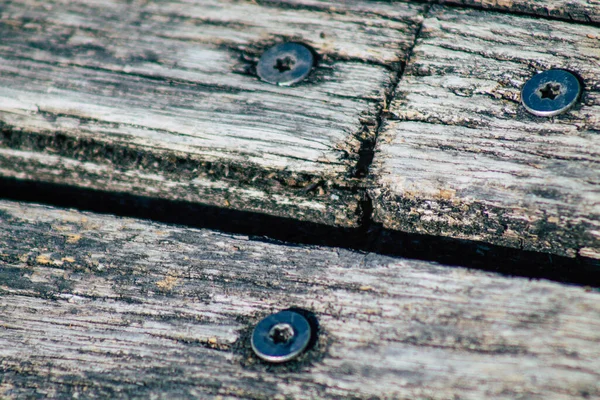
(99,306)
(459,156)
(159,99)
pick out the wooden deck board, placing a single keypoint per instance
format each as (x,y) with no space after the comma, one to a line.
(99,306)
(459,156)
(159,99)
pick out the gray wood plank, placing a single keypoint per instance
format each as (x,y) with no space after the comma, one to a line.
(159,99)
(459,156)
(572,10)
(100,306)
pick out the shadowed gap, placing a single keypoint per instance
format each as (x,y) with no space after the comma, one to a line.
(370,238)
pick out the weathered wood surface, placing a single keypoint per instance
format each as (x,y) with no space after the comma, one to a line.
(573,10)
(459,156)
(99,306)
(159,99)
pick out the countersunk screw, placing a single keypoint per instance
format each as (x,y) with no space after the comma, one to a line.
(285,64)
(281,337)
(551,92)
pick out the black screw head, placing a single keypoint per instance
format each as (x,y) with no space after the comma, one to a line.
(550,93)
(285,64)
(280,337)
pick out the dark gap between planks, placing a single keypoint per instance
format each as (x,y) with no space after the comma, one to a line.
(370,237)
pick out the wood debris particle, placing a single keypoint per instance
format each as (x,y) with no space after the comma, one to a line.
(43,259)
(168,283)
(73,238)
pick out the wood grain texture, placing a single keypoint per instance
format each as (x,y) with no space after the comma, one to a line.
(572,10)
(459,156)
(160,99)
(99,306)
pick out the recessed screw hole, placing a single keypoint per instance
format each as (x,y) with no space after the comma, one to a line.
(281,333)
(284,64)
(550,91)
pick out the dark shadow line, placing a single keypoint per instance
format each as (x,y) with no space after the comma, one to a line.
(369,238)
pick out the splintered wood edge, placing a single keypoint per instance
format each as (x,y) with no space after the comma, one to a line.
(104,306)
(438,137)
(311,200)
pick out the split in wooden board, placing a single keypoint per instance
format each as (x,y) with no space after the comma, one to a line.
(159,99)
(101,306)
(459,156)
(572,10)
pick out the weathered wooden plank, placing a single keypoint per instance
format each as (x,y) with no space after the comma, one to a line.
(159,99)
(99,306)
(573,10)
(459,156)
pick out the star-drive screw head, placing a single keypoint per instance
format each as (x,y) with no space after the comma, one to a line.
(281,337)
(285,64)
(551,92)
